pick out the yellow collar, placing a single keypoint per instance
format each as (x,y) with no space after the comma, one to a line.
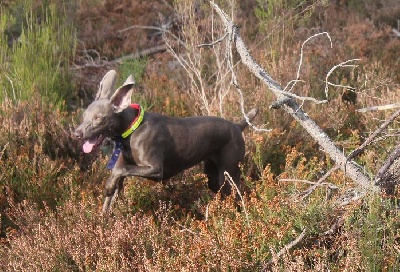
(136,122)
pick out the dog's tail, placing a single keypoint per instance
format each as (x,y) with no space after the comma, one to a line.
(251,114)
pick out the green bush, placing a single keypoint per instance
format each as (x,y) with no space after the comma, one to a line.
(36,62)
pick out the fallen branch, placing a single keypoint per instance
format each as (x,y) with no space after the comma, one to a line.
(337,225)
(396,32)
(307,192)
(316,184)
(146,52)
(283,251)
(383,107)
(143,53)
(385,167)
(368,141)
(291,107)
(342,64)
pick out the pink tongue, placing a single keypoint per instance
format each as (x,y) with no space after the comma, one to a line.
(88,146)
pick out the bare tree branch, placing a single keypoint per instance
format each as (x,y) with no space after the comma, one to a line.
(316,184)
(385,167)
(382,107)
(307,192)
(284,250)
(102,63)
(342,64)
(146,52)
(396,32)
(214,42)
(302,49)
(361,148)
(291,107)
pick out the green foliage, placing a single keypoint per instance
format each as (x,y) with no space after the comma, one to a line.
(277,9)
(37,61)
(376,223)
(137,68)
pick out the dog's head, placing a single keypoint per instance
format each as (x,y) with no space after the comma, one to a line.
(101,119)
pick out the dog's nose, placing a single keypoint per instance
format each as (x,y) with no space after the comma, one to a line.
(78,134)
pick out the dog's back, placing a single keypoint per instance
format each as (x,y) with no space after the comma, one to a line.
(188,141)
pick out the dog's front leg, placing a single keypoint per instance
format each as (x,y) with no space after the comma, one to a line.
(111,197)
(120,171)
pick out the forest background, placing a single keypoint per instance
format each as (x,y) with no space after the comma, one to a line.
(53,55)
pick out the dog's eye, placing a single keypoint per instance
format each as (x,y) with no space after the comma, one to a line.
(98,118)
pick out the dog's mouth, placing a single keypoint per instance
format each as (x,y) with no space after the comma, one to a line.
(92,143)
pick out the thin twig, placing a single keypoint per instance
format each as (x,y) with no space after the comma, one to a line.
(292,83)
(233,184)
(319,183)
(301,98)
(102,63)
(12,86)
(286,248)
(168,5)
(307,192)
(214,42)
(302,49)
(391,159)
(382,107)
(360,149)
(184,228)
(342,64)
(146,52)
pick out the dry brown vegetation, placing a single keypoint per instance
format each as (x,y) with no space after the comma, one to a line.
(51,194)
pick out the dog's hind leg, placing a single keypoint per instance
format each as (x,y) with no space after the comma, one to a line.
(211,170)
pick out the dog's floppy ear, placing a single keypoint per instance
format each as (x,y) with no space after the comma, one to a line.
(121,99)
(106,86)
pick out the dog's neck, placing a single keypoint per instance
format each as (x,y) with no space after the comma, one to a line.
(131,118)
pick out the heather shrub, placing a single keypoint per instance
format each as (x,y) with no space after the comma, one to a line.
(81,239)
(51,194)
(40,162)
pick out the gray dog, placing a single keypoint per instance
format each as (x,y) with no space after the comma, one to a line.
(158,147)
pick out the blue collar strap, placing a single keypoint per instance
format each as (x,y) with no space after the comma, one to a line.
(115,155)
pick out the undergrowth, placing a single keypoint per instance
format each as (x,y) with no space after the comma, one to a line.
(36,46)
(51,194)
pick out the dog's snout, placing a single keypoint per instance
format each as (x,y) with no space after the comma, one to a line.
(78,134)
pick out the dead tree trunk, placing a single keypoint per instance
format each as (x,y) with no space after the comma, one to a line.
(285,101)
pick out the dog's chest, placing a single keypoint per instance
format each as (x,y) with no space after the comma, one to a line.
(127,156)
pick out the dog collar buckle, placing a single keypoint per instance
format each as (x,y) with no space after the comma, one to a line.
(136,122)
